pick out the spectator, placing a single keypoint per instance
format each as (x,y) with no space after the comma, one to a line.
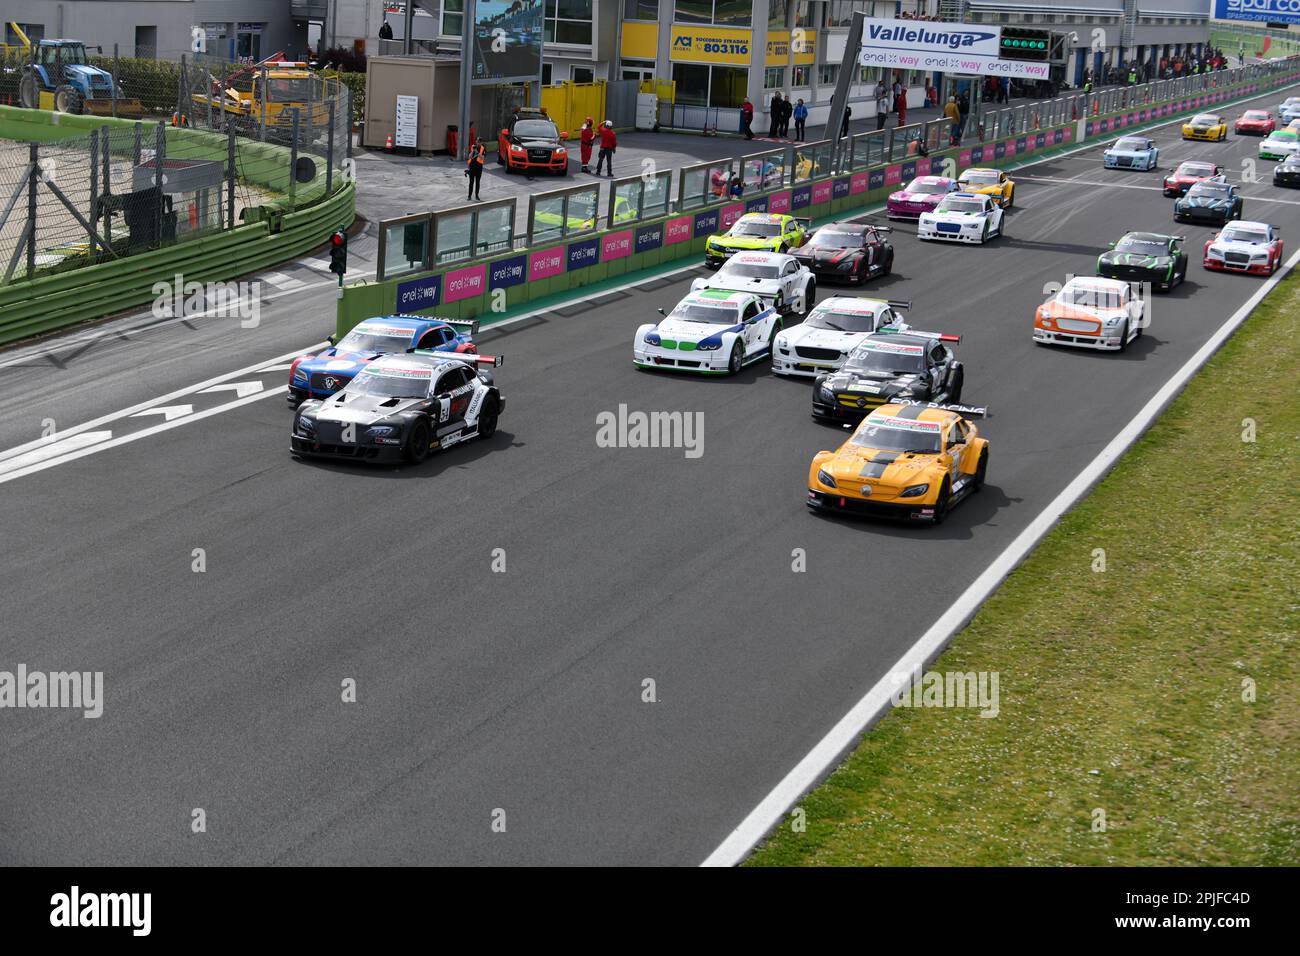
(901,106)
(608,146)
(786,111)
(735,186)
(844,126)
(587,139)
(882,107)
(953,112)
(774,114)
(474,170)
(747,118)
(800,119)
(385,31)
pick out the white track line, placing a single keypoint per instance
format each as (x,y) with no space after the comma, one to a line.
(1080,182)
(144,433)
(876,702)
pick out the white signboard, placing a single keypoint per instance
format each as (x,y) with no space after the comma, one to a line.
(408,113)
(945,47)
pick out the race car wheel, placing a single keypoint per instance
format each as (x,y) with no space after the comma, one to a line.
(889,262)
(1123,336)
(941,503)
(417,446)
(778,304)
(984,236)
(1011,198)
(981,470)
(809,298)
(958,380)
(487,420)
(737,360)
(771,339)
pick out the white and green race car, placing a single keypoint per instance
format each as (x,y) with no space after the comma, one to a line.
(711,332)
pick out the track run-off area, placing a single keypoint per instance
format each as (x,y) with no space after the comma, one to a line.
(638,683)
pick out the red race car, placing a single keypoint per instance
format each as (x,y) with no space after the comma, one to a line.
(1252,247)
(1190,173)
(1254,123)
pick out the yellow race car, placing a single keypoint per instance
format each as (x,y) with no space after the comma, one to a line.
(1206,126)
(912,460)
(993,183)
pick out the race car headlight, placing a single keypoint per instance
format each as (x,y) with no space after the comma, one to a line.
(709,345)
(781,344)
(825,478)
(300,375)
(380,431)
(650,338)
(826,393)
(1213,253)
(848,264)
(561,151)
(516,148)
(1111,321)
(914,491)
(305,425)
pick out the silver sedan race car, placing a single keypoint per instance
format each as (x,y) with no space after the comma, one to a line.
(776,276)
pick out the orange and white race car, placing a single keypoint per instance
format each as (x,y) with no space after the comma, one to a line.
(1091,313)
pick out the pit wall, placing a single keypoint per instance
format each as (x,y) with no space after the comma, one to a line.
(271,235)
(551,272)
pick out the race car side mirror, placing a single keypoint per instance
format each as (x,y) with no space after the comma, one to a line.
(662,312)
(332,339)
(1111,245)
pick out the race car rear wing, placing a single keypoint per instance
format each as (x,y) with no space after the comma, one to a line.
(965,411)
(806,221)
(468,326)
(496,361)
(908,330)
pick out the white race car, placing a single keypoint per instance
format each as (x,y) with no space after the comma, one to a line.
(837,326)
(1254,247)
(1091,313)
(962,217)
(713,332)
(775,276)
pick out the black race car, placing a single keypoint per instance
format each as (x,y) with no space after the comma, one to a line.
(887,366)
(1214,203)
(1287,172)
(402,406)
(849,252)
(1145,257)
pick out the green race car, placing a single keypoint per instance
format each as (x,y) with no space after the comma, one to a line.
(1145,257)
(767,232)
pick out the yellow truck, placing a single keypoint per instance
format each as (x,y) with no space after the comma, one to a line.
(288,85)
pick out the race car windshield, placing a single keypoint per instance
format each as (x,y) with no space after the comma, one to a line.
(741,270)
(888,363)
(1237,234)
(926,189)
(887,438)
(835,240)
(1209,190)
(1092,298)
(359,341)
(1195,169)
(1131,144)
(1141,247)
(1205,119)
(706,314)
(842,321)
(989,178)
(390,386)
(1255,115)
(761,230)
(961,205)
(536,129)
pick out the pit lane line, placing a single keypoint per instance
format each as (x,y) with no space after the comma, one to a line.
(1079,182)
(877,701)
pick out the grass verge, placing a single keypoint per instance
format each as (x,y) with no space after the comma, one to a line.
(1121,691)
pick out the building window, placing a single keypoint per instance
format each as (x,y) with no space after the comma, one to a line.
(827,74)
(546,74)
(726,13)
(799,76)
(803,13)
(839,13)
(774,78)
(146,44)
(700,85)
(640,9)
(777,13)
(35,32)
(568,21)
(453,17)
(582,74)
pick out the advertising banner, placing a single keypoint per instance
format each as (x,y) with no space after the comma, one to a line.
(704,44)
(950,47)
(1273,11)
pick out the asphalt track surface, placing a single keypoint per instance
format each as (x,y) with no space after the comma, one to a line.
(518,691)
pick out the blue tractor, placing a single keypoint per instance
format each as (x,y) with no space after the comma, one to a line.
(60,78)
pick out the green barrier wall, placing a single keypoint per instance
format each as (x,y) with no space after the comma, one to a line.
(551,273)
(61,300)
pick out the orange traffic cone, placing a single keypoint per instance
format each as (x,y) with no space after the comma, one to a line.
(388,143)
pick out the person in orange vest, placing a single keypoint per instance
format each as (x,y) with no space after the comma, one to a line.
(608,145)
(588,140)
(474,170)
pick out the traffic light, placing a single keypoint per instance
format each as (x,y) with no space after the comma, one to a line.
(339,253)
(1021,44)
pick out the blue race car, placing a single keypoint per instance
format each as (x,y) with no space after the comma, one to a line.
(320,376)
(1131,152)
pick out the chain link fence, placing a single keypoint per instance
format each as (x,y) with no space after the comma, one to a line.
(229,145)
